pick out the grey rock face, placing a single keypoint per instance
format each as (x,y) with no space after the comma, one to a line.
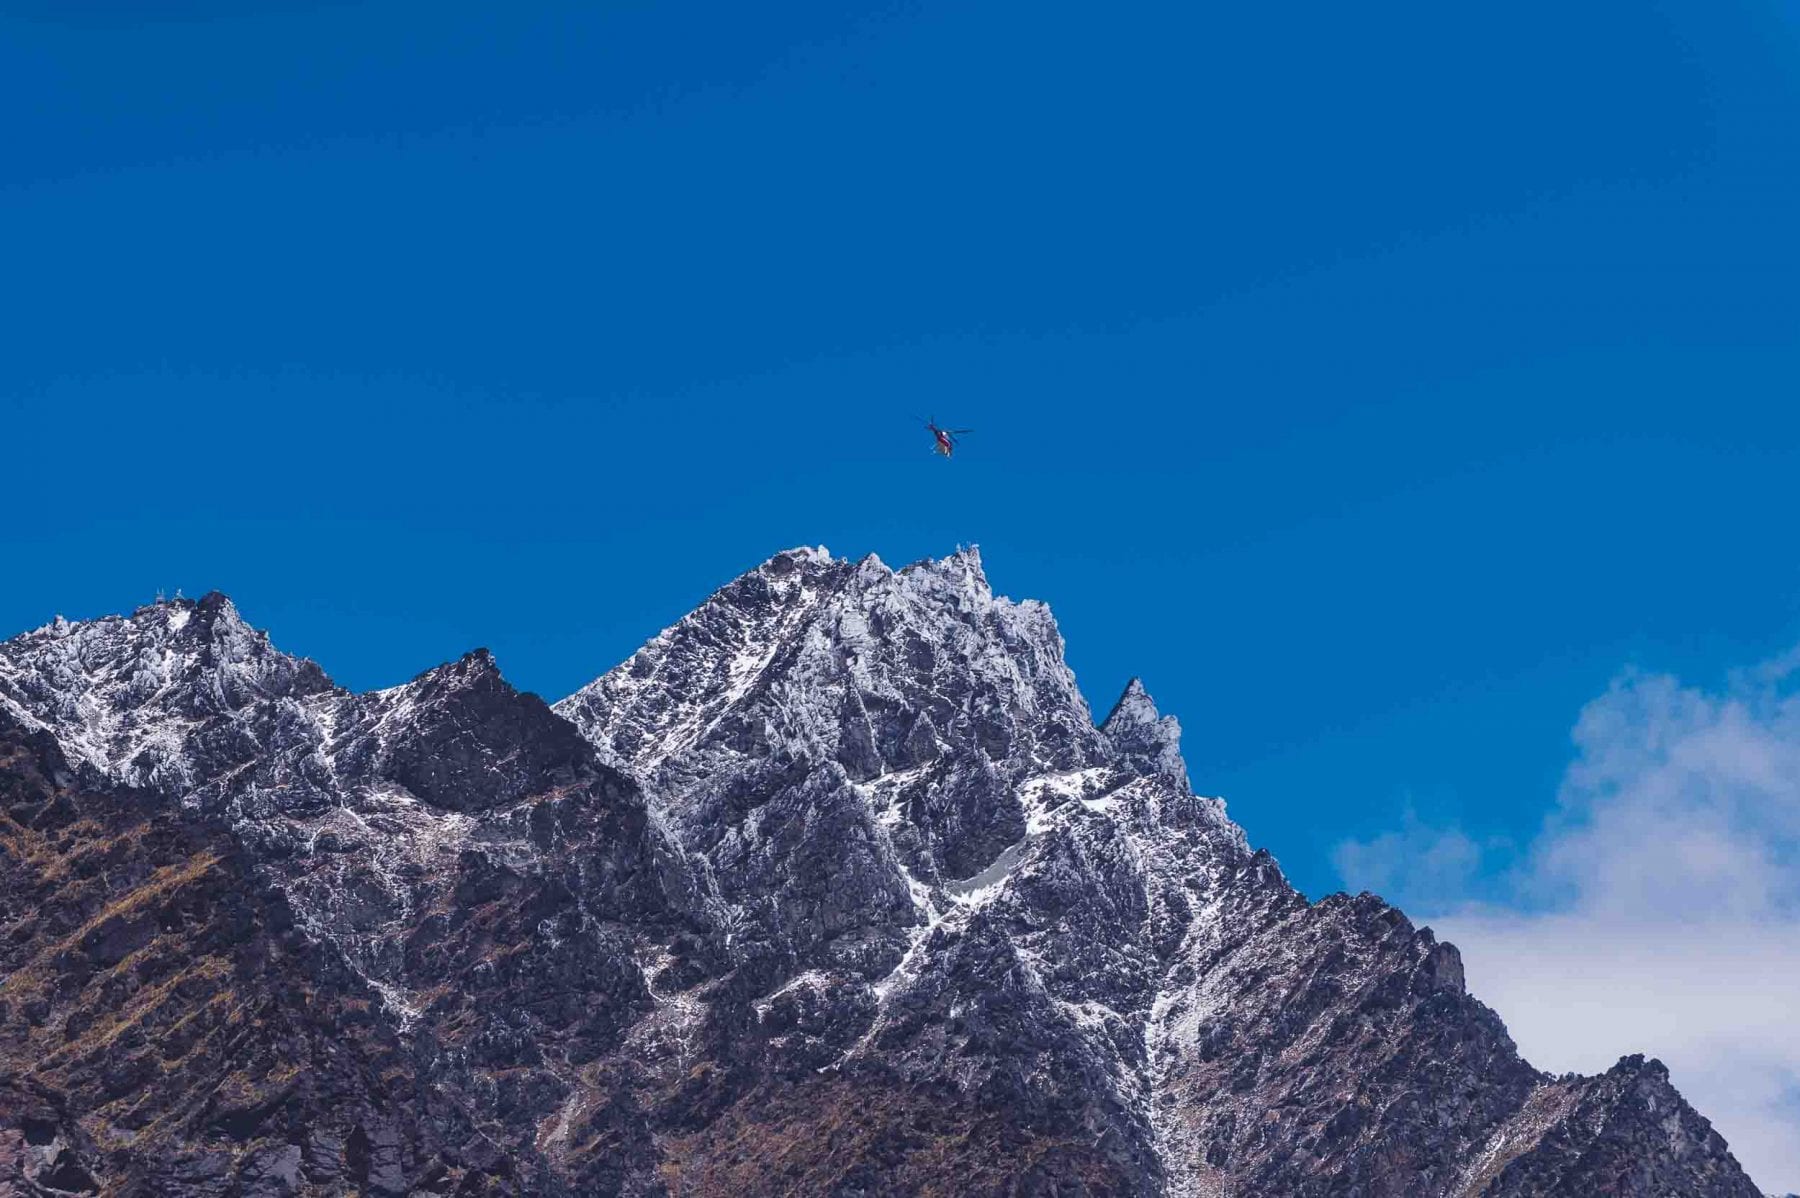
(1143,738)
(834,887)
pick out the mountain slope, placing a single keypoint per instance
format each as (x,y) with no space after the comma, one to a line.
(1090,945)
(459,866)
(834,887)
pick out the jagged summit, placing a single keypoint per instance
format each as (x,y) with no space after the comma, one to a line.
(1146,738)
(833,887)
(1133,700)
(819,656)
(126,692)
(361,810)
(962,566)
(814,553)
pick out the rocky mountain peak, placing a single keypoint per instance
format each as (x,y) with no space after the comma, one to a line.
(211,606)
(1144,738)
(475,670)
(833,887)
(460,736)
(799,558)
(959,576)
(815,656)
(126,693)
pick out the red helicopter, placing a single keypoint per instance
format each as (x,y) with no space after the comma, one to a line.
(946,437)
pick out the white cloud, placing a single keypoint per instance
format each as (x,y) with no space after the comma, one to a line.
(1658,911)
(1417,865)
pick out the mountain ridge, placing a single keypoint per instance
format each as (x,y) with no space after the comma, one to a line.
(843,833)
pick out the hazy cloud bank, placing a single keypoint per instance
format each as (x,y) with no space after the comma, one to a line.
(1657,911)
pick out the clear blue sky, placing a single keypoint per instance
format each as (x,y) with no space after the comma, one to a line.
(1375,380)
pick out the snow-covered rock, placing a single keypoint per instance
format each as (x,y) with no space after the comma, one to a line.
(833,887)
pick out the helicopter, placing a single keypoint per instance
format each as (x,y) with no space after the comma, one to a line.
(945,437)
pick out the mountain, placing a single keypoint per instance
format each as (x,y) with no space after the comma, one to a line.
(834,887)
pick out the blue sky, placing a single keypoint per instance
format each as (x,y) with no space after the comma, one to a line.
(1379,382)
